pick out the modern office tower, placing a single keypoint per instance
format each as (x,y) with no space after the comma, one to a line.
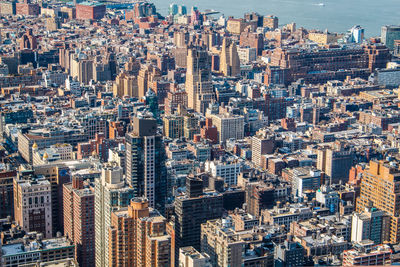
(357,34)
(32,204)
(271,22)
(6,193)
(182,10)
(224,247)
(229,59)
(173,9)
(198,80)
(371,224)
(138,236)
(335,162)
(193,209)
(145,162)
(379,188)
(190,126)
(111,193)
(190,257)
(173,126)
(79,219)
(228,126)
(143,9)
(290,253)
(389,34)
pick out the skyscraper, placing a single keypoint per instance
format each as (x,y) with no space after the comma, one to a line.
(111,193)
(145,162)
(389,34)
(229,59)
(198,80)
(79,219)
(193,209)
(380,188)
(138,236)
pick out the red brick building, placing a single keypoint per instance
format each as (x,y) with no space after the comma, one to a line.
(78,205)
(209,131)
(28,41)
(99,146)
(27,9)
(253,40)
(86,10)
(116,129)
(319,66)
(175,97)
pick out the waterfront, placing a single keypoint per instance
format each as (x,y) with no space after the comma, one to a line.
(335,15)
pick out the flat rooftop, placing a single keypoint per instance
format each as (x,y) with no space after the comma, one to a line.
(87,3)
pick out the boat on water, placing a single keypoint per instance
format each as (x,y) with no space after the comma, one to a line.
(320,4)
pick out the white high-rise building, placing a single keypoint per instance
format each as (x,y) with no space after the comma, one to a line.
(111,193)
(357,33)
(228,169)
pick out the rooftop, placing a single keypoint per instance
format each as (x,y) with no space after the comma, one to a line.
(87,3)
(47,244)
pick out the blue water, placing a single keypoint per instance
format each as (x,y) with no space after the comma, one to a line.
(336,15)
